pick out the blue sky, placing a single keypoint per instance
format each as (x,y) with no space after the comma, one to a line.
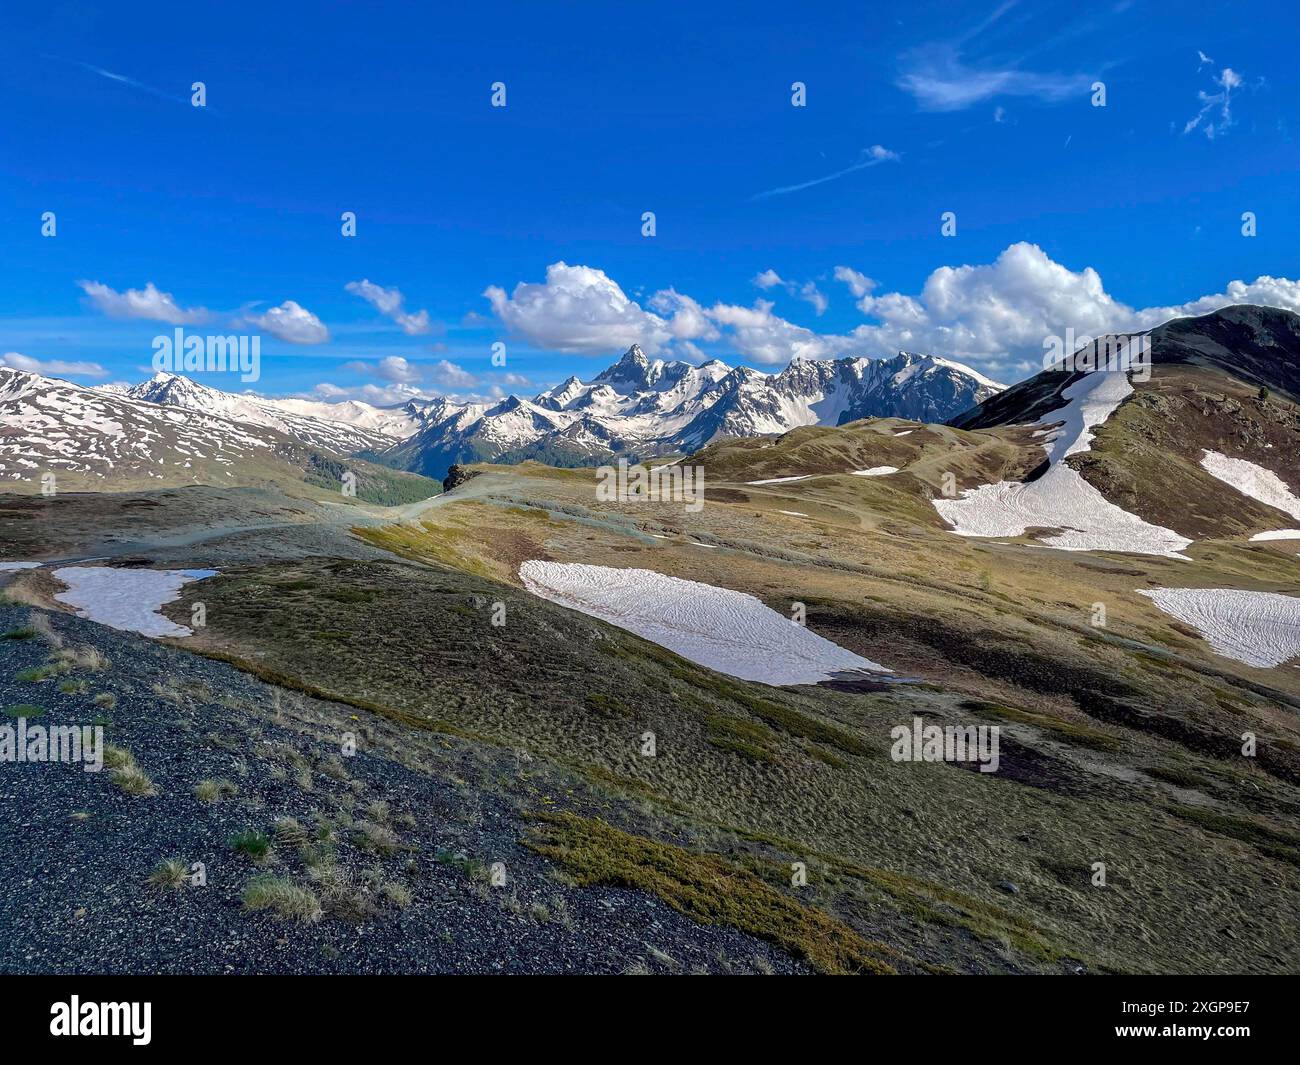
(780,231)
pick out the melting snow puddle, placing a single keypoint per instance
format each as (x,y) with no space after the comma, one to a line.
(731,632)
(782,480)
(875,471)
(1257,628)
(127,599)
(1061,498)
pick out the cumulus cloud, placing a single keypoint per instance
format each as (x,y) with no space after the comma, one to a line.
(398,370)
(768,279)
(999,313)
(994,315)
(389,302)
(686,319)
(764,337)
(380,395)
(147,303)
(578,310)
(51,367)
(450,376)
(393,368)
(291,323)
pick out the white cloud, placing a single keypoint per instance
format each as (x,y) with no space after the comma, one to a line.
(995,315)
(809,293)
(688,321)
(859,284)
(147,303)
(873,156)
(762,336)
(291,323)
(999,313)
(448,375)
(1264,291)
(578,310)
(379,395)
(940,79)
(51,367)
(393,368)
(1227,81)
(398,370)
(388,301)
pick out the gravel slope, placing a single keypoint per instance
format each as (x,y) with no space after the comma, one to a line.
(78,850)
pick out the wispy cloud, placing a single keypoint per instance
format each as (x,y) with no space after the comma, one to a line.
(807,291)
(1215,115)
(56,367)
(389,302)
(960,71)
(940,79)
(122,79)
(873,156)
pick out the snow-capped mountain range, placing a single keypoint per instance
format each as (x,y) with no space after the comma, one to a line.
(640,408)
(636,408)
(341,427)
(85,435)
(56,436)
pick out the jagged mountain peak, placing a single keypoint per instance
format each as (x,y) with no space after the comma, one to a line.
(641,407)
(632,371)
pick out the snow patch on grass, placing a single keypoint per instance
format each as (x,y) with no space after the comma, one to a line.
(1252,480)
(875,471)
(1258,628)
(1061,498)
(731,632)
(127,599)
(1277,534)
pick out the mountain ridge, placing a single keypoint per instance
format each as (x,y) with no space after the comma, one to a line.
(639,408)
